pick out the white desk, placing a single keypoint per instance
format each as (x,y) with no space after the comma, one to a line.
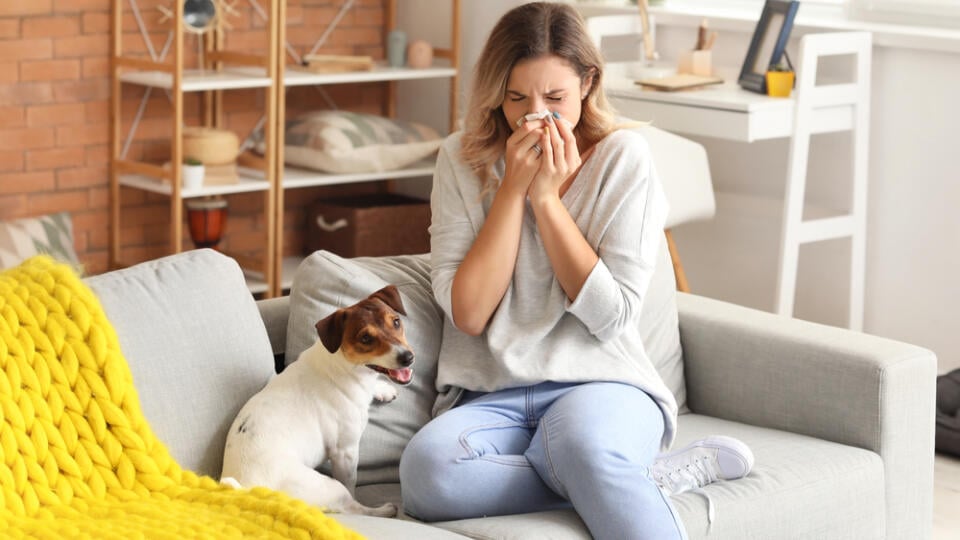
(726,111)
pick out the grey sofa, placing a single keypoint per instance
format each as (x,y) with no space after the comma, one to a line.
(841,423)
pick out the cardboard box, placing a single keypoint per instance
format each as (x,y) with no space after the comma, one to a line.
(369,226)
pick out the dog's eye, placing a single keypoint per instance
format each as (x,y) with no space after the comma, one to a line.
(366,339)
(396,323)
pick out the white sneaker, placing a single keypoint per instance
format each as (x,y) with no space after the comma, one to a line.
(700,463)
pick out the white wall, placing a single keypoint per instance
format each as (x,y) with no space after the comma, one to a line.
(913,245)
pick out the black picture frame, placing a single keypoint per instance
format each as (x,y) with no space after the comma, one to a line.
(768,44)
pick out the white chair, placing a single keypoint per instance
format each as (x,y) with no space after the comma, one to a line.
(685,173)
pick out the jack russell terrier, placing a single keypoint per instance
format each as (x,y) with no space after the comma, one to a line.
(317,408)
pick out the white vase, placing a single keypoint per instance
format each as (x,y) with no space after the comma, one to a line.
(192,176)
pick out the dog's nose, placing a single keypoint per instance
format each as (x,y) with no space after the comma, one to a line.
(405,358)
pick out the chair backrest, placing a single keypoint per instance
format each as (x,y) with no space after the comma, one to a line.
(619,37)
(685,172)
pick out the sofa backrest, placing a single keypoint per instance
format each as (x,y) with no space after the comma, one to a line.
(196,345)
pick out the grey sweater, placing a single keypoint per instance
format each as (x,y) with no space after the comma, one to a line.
(536,334)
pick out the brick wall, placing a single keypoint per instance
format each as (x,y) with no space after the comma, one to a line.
(54,116)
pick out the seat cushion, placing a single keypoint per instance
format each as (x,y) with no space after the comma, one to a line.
(196,345)
(807,487)
(326,282)
(800,487)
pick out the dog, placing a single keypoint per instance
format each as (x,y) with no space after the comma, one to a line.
(317,408)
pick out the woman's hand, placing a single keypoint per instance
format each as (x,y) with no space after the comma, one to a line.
(522,157)
(560,160)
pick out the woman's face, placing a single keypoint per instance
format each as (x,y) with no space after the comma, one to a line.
(547,82)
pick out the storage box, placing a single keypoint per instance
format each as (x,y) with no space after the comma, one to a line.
(369,226)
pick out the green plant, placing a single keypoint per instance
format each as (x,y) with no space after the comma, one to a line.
(781,67)
(192,161)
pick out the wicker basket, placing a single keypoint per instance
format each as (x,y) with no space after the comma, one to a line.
(369,226)
(210,145)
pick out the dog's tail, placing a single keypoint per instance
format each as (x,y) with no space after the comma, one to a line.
(231,481)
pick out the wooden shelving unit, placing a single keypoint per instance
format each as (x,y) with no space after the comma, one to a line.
(292,177)
(225,71)
(222,70)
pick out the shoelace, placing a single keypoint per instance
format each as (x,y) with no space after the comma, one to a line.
(690,477)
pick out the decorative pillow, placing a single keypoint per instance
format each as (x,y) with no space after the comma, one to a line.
(51,234)
(325,282)
(348,142)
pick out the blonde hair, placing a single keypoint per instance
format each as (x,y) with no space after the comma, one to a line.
(526,32)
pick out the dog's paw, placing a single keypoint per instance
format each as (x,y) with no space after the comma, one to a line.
(387,510)
(385,393)
(232,482)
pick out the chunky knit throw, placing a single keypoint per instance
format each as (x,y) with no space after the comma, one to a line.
(77,456)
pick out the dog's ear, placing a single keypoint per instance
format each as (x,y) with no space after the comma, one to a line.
(330,330)
(390,296)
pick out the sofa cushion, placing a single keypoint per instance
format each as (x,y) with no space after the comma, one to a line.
(196,345)
(325,282)
(808,488)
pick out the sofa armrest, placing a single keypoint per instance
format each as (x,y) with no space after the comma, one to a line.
(826,382)
(275,312)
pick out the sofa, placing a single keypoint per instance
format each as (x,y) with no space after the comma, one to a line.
(841,423)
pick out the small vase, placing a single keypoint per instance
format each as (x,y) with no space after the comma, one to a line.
(207,220)
(779,83)
(192,176)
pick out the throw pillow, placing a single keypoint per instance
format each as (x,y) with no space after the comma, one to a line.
(325,282)
(344,142)
(50,234)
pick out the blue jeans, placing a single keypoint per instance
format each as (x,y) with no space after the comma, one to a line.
(544,447)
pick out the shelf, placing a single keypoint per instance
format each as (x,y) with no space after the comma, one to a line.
(294,177)
(298,77)
(255,279)
(250,180)
(198,80)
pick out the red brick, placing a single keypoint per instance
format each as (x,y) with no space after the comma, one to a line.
(19,8)
(82,90)
(11,160)
(98,154)
(96,23)
(9,28)
(52,27)
(96,112)
(26,138)
(81,177)
(82,46)
(26,94)
(12,206)
(76,6)
(54,158)
(93,68)
(27,49)
(57,201)
(83,135)
(32,182)
(9,72)
(99,197)
(11,117)
(49,70)
(55,115)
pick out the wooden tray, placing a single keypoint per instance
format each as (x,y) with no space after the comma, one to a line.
(680,81)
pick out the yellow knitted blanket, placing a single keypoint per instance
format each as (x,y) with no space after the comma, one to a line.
(77,457)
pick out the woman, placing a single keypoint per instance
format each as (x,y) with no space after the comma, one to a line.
(544,238)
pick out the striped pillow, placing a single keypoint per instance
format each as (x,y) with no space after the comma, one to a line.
(50,234)
(348,142)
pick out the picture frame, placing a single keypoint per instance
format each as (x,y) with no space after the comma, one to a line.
(768,44)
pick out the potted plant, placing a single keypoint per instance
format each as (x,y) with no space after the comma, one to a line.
(193,172)
(780,80)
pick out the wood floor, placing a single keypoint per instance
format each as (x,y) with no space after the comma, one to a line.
(946,498)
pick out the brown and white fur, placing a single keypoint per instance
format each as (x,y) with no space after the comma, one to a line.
(317,408)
